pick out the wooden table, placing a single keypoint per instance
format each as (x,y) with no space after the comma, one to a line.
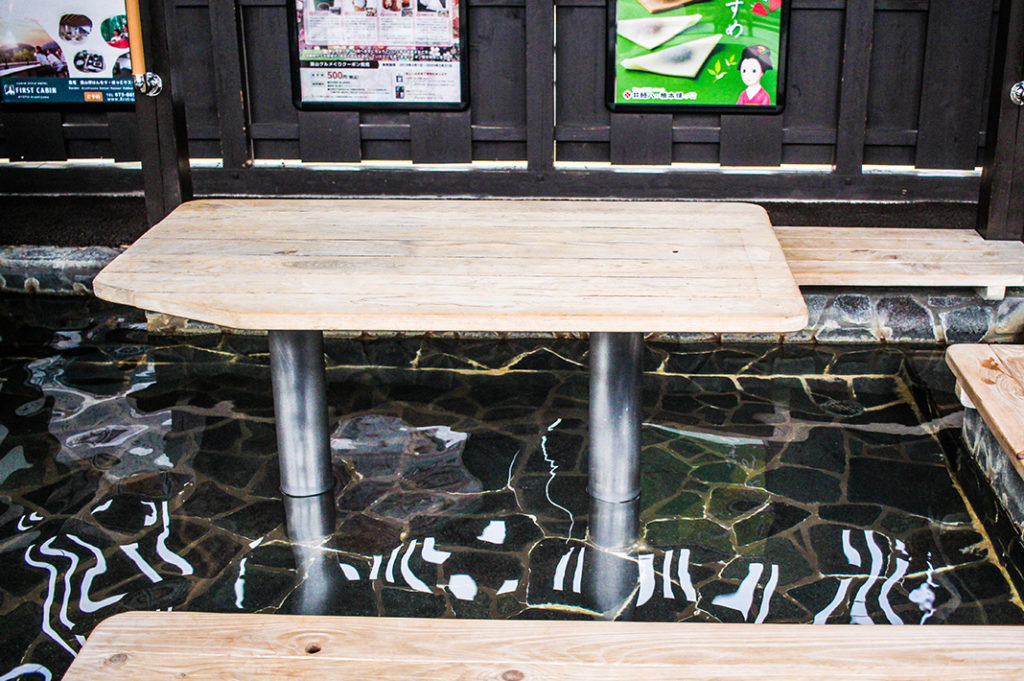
(615,269)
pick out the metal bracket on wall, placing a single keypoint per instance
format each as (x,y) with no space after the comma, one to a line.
(1017,93)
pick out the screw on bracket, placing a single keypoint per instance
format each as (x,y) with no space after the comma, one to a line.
(1017,93)
(148,83)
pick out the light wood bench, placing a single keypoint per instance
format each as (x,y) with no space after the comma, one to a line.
(990,378)
(857,256)
(164,646)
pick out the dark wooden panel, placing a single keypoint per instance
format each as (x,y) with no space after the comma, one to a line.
(386,151)
(35,136)
(1001,205)
(641,139)
(235,145)
(897,65)
(853,93)
(193,61)
(580,96)
(497,47)
(329,136)
(443,137)
(954,81)
(813,67)
(124,135)
(268,74)
(540,66)
(751,140)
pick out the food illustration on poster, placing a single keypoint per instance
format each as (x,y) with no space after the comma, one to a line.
(64,52)
(359,53)
(712,53)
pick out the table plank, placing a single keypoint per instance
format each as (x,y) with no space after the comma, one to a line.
(462,265)
(172,646)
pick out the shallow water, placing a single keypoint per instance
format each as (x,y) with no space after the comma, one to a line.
(780,484)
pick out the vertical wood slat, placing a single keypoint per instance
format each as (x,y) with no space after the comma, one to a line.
(853,89)
(444,137)
(540,65)
(164,145)
(750,140)
(641,139)
(956,60)
(329,137)
(35,136)
(225,31)
(124,135)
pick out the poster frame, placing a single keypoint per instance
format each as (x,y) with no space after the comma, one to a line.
(105,105)
(319,105)
(781,67)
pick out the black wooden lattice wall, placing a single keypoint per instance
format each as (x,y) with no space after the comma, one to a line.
(888,82)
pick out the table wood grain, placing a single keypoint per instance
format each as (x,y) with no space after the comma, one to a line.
(462,265)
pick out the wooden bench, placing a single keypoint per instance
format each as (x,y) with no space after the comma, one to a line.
(165,646)
(857,256)
(990,378)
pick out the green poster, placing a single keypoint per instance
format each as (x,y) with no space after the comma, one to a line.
(718,54)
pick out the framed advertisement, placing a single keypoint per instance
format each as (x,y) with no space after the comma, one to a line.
(711,55)
(379,54)
(64,52)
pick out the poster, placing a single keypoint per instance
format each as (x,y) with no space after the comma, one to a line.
(707,54)
(379,54)
(64,52)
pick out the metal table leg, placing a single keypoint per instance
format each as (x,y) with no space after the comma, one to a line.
(615,371)
(300,406)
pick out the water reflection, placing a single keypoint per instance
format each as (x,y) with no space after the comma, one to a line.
(611,572)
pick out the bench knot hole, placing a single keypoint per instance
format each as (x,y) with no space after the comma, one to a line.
(313,649)
(117,659)
(513,675)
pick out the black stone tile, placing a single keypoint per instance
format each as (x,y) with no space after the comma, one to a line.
(729,502)
(707,541)
(857,515)
(824,449)
(167,593)
(922,490)
(775,519)
(227,469)
(488,455)
(253,521)
(210,500)
(803,485)
(359,533)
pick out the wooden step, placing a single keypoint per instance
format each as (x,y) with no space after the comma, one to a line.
(165,646)
(861,256)
(990,378)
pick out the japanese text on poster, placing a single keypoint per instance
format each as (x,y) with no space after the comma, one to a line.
(715,53)
(379,52)
(64,51)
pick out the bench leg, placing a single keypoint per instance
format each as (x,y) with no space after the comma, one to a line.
(615,374)
(300,406)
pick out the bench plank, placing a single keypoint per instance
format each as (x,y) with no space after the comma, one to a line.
(992,376)
(174,646)
(462,265)
(857,256)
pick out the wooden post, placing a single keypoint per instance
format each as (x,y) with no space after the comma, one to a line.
(161,121)
(1001,204)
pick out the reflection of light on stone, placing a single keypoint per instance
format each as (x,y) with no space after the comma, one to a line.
(431,554)
(375,568)
(897,575)
(508,586)
(551,476)
(85,603)
(577,579)
(823,614)
(766,596)
(494,533)
(852,556)
(13,462)
(132,551)
(646,578)
(462,587)
(240,584)
(48,603)
(924,595)
(563,564)
(389,571)
(47,550)
(103,507)
(741,599)
(412,580)
(351,574)
(685,582)
(666,575)
(165,553)
(24,669)
(859,610)
(151,517)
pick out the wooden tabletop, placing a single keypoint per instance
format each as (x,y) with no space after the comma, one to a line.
(462,265)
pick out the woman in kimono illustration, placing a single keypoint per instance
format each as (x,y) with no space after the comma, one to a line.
(755,60)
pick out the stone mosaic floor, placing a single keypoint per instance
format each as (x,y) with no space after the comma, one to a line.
(780,484)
